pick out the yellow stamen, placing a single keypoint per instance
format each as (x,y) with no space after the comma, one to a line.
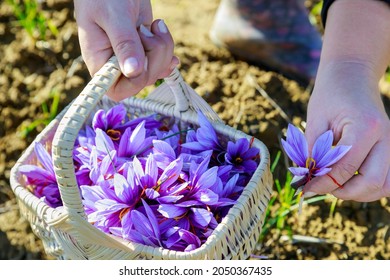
(181,216)
(114,134)
(310,161)
(123,212)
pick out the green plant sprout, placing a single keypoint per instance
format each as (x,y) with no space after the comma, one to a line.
(32,19)
(387,75)
(49,113)
(315,15)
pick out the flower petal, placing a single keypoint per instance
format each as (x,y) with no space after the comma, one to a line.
(104,143)
(123,190)
(152,219)
(44,157)
(170,174)
(322,171)
(36,175)
(297,144)
(201,217)
(99,120)
(322,145)
(298,171)
(293,154)
(116,115)
(171,211)
(333,156)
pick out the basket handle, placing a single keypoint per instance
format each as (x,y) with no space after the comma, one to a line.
(63,142)
(68,129)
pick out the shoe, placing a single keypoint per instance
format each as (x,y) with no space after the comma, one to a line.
(275,34)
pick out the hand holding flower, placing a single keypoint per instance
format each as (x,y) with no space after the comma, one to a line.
(346,100)
(353,110)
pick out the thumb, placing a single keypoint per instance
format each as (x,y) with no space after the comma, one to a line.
(128,48)
(314,128)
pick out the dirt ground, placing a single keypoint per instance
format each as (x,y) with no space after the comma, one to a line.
(31,72)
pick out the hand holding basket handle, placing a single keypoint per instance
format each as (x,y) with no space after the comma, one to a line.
(144,47)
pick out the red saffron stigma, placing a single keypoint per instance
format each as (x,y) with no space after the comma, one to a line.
(334,181)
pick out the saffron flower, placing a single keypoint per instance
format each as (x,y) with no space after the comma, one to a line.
(115,121)
(316,164)
(241,155)
(42,178)
(204,138)
(144,229)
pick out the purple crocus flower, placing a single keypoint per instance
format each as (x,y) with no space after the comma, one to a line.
(143,227)
(91,161)
(197,196)
(170,136)
(318,163)
(242,156)
(135,142)
(110,206)
(205,138)
(115,121)
(112,121)
(154,184)
(180,239)
(42,178)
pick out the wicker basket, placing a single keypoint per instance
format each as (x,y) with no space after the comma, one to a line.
(65,231)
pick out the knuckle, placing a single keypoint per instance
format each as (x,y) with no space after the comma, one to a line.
(374,183)
(345,171)
(386,189)
(139,83)
(125,44)
(160,46)
(374,123)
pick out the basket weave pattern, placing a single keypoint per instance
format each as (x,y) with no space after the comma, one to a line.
(65,231)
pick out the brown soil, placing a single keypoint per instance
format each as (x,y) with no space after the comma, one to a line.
(31,71)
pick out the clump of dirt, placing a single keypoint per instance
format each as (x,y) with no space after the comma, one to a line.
(249,98)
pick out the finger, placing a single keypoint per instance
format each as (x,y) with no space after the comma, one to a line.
(314,128)
(127,47)
(120,25)
(94,44)
(159,61)
(369,184)
(159,50)
(128,87)
(175,62)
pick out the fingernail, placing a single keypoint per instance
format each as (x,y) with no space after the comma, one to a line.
(145,31)
(174,64)
(130,66)
(309,194)
(146,64)
(162,26)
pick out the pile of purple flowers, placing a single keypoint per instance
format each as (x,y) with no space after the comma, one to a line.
(149,182)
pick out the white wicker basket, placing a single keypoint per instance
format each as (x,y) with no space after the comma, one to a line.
(65,231)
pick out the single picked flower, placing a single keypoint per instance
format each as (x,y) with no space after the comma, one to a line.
(315,164)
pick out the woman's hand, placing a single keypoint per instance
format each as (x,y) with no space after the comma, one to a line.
(145,53)
(346,99)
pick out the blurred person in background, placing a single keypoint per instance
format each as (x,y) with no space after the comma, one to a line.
(275,34)
(355,54)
